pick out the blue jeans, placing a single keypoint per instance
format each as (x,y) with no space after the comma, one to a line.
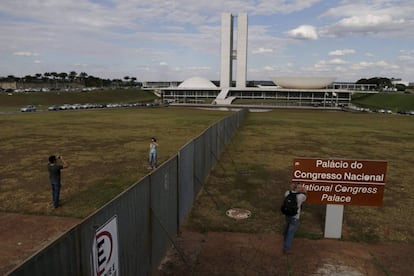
(55,193)
(153,159)
(292,225)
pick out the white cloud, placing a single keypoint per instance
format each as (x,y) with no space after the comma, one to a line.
(268,68)
(80,65)
(342,52)
(375,18)
(262,50)
(25,54)
(367,24)
(199,68)
(144,69)
(337,61)
(368,20)
(406,56)
(407,52)
(303,32)
(367,64)
(267,7)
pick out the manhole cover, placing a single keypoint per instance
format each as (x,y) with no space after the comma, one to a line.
(238,213)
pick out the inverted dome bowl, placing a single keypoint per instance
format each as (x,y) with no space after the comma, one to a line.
(303,82)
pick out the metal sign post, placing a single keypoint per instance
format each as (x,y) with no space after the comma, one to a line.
(333,221)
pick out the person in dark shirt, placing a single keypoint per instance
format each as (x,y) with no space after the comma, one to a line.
(55,165)
(292,222)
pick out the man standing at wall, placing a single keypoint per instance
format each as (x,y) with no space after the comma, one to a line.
(54,168)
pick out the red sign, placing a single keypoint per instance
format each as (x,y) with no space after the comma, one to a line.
(340,181)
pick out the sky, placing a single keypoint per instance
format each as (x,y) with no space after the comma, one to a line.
(167,40)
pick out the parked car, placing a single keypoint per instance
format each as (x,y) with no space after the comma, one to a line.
(75,106)
(65,107)
(53,108)
(28,108)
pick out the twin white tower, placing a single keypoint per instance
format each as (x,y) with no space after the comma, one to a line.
(228,53)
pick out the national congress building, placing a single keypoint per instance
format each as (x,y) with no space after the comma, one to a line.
(284,91)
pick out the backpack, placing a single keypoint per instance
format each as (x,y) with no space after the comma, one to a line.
(290,205)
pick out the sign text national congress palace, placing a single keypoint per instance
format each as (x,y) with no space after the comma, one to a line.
(338,181)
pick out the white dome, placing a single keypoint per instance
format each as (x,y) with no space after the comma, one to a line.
(197,82)
(303,82)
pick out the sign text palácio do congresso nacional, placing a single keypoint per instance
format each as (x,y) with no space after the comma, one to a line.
(340,181)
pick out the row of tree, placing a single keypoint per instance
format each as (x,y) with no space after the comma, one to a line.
(91,81)
(72,77)
(382,83)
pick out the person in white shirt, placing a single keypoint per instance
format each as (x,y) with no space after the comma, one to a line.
(153,154)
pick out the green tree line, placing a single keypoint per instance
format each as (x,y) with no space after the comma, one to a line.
(73,77)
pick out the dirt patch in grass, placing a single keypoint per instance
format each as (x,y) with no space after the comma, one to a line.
(227,253)
(23,235)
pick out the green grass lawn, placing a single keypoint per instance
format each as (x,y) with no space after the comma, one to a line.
(256,168)
(107,151)
(393,101)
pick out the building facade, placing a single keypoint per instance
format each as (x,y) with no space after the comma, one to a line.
(234,50)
